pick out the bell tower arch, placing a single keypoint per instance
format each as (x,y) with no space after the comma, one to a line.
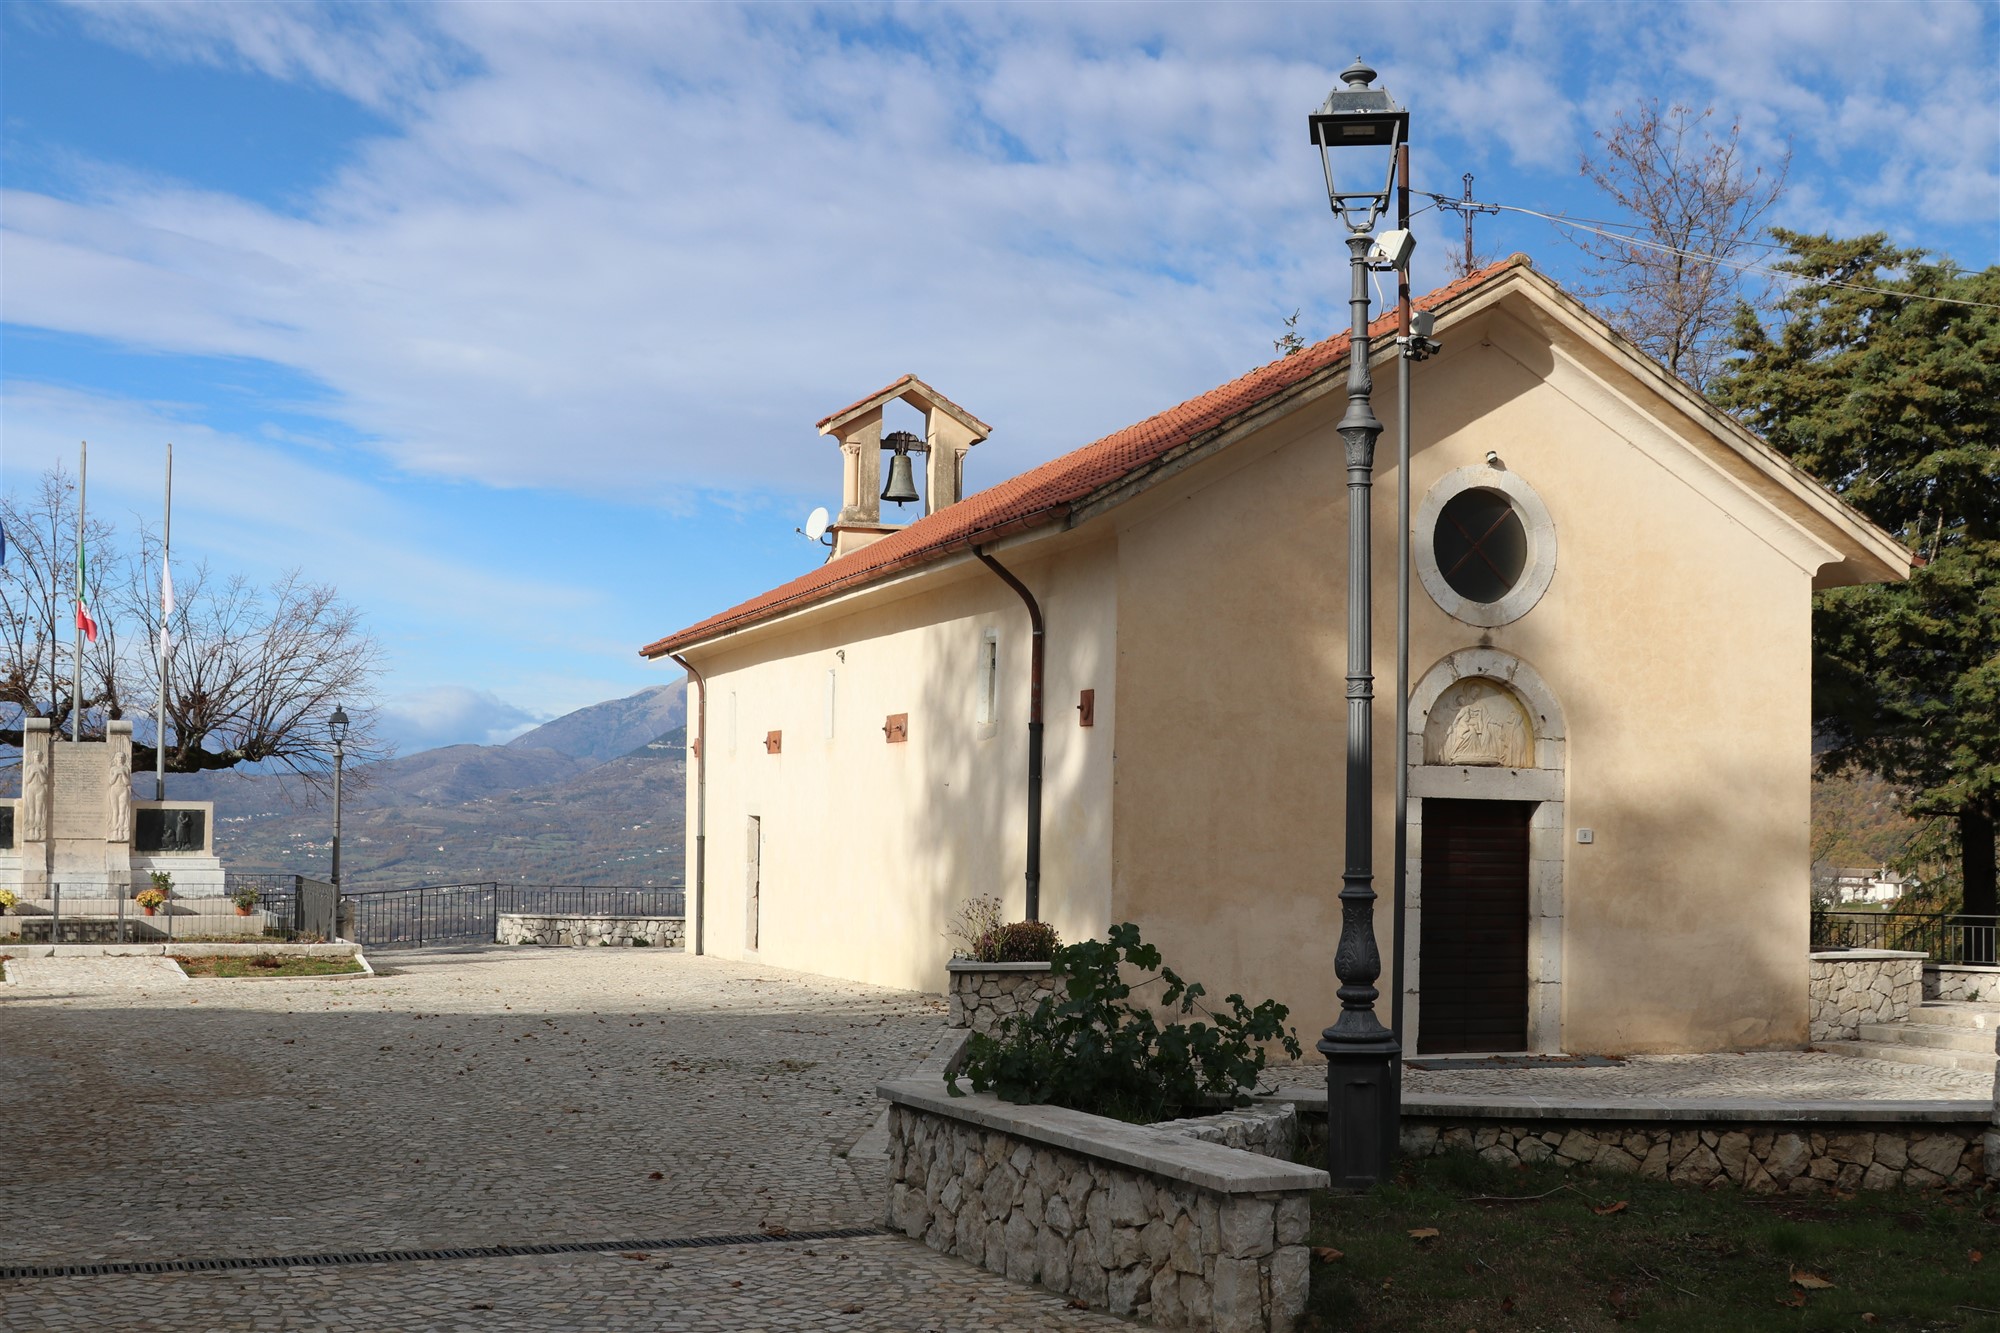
(949,432)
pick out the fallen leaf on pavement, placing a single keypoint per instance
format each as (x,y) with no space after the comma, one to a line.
(1810,1281)
(1797,1300)
(657,1175)
(1610,1208)
(1974,1256)
(1423,1233)
(1326,1254)
(1869,1318)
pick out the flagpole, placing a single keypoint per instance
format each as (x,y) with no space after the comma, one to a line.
(166,609)
(76,657)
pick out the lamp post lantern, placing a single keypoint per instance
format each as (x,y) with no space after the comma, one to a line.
(1363,1058)
(337,724)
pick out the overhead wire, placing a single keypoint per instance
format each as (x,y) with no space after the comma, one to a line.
(1742,265)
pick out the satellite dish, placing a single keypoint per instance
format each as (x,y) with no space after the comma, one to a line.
(816,523)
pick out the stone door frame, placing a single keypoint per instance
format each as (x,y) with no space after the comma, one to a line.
(1545,784)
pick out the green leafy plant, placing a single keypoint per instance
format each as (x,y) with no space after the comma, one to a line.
(163,881)
(245,899)
(1089,1048)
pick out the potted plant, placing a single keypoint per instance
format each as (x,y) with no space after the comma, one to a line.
(150,899)
(246,901)
(6,900)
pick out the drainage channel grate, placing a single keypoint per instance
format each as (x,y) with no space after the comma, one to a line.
(352,1258)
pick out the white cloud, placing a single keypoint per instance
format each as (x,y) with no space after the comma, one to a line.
(639,249)
(452,715)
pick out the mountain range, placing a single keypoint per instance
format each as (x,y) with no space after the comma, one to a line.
(593,797)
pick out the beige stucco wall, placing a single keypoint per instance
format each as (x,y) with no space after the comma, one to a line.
(869,848)
(1674,634)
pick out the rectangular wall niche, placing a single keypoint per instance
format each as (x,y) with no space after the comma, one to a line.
(897,728)
(774,742)
(1086,709)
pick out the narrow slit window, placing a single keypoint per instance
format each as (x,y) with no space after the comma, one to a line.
(989,677)
(832,684)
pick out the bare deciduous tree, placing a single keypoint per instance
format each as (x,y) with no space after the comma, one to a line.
(253,675)
(1673,286)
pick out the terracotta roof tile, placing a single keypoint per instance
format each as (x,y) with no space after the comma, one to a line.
(1046,493)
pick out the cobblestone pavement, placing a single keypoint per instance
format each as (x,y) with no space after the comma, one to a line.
(1802,1076)
(462,1099)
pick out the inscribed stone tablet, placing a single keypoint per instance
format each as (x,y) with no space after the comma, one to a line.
(79,789)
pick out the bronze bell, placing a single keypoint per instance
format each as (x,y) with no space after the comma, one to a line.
(902,487)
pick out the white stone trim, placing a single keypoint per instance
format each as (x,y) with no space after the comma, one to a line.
(1541,534)
(1546,783)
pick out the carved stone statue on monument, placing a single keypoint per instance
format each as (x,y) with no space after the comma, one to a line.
(118,794)
(35,790)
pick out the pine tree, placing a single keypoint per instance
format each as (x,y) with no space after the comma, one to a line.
(1892,397)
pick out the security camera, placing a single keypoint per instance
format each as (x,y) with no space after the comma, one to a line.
(1392,249)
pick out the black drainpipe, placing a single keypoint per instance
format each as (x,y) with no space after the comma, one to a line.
(700,800)
(1034,733)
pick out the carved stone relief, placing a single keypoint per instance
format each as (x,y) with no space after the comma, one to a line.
(1479,722)
(118,792)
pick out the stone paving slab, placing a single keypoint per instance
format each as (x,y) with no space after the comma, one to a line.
(95,974)
(466,1098)
(865,1285)
(1818,1078)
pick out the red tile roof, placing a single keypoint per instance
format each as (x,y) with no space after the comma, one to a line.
(1044,494)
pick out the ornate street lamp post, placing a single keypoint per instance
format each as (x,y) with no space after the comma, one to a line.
(1363,1058)
(337,724)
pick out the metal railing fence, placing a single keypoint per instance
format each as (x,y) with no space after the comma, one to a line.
(464,913)
(1943,937)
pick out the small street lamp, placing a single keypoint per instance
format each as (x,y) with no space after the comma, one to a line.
(337,724)
(1363,1058)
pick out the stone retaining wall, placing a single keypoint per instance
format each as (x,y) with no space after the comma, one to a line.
(664,932)
(1763,1159)
(1268,1131)
(1854,986)
(1953,981)
(981,994)
(1180,1233)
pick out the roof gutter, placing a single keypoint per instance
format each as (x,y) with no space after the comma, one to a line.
(673,645)
(1035,661)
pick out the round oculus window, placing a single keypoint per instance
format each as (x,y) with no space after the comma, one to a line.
(1480,544)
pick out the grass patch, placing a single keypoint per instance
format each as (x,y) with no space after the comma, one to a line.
(1538,1248)
(267,965)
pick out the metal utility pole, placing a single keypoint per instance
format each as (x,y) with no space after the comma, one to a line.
(166,609)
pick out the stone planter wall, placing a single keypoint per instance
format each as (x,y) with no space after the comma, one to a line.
(1953,981)
(1268,1131)
(1854,986)
(664,932)
(1765,1159)
(1127,1218)
(981,994)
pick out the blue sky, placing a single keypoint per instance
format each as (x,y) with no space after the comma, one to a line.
(513,321)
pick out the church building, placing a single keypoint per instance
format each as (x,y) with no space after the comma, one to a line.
(1609,744)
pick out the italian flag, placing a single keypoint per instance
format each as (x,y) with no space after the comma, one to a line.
(84,620)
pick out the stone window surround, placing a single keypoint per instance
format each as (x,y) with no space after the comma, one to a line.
(1541,533)
(1545,783)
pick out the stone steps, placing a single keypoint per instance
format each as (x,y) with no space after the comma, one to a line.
(1958,1014)
(1895,1047)
(1930,1036)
